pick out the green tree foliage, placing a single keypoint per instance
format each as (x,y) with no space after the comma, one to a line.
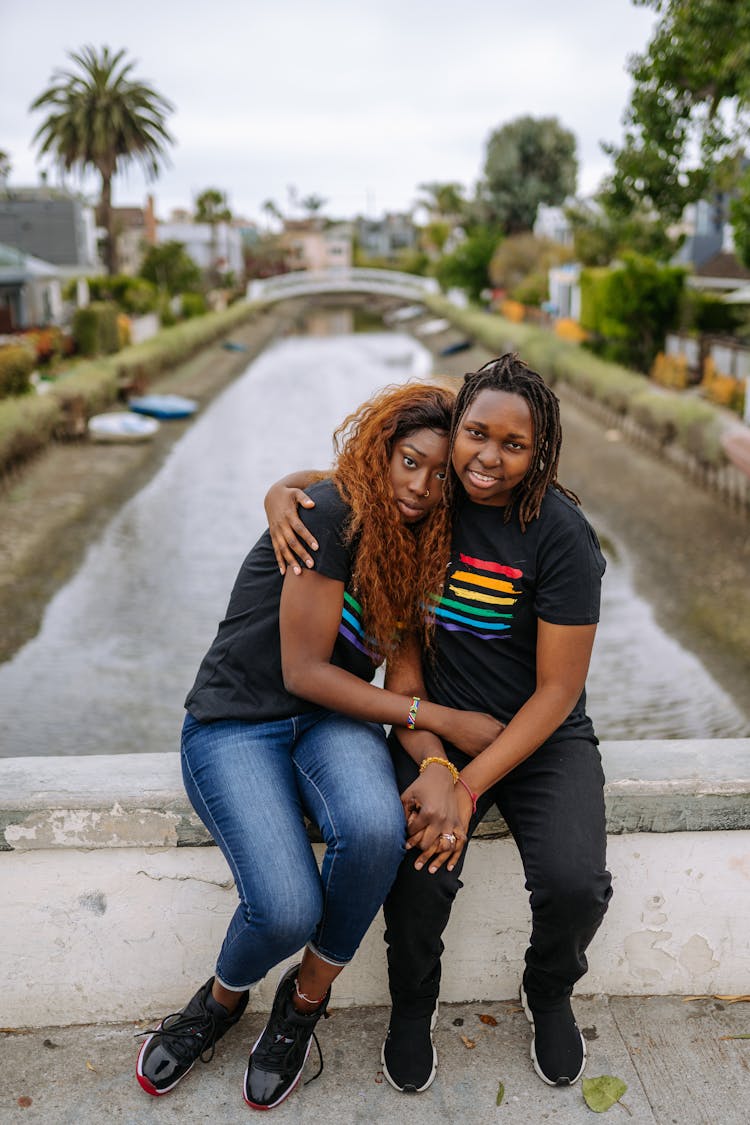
(466,268)
(520,264)
(739,210)
(689,109)
(170,267)
(443,200)
(211,207)
(629,310)
(99,117)
(313,203)
(529,161)
(599,236)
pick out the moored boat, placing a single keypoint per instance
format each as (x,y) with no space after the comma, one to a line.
(121,426)
(163,406)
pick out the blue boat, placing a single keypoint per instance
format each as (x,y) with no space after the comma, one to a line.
(163,406)
(454,349)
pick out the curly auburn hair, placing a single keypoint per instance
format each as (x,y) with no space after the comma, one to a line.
(396,564)
(509,373)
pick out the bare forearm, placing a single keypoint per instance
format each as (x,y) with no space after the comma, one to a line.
(532,725)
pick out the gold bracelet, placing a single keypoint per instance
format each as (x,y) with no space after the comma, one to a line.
(440,762)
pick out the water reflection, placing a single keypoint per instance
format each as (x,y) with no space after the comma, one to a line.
(120,643)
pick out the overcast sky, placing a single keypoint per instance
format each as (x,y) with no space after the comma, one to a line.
(357,102)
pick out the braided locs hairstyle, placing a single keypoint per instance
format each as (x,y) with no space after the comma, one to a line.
(511,374)
(395,564)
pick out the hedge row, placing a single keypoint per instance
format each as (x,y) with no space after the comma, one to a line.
(691,423)
(16,365)
(27,423)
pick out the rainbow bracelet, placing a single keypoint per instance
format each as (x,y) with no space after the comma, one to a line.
(411,718)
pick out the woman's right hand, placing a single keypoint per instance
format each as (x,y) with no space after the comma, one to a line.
(291,540)
(472,731)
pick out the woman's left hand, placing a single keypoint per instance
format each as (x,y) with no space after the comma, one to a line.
(437,819)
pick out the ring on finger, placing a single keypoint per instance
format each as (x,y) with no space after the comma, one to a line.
(450,837)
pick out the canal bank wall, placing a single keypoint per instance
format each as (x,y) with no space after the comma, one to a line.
(115,901)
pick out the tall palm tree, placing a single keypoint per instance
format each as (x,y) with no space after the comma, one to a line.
(100,117)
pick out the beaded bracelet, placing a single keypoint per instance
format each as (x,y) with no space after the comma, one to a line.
(411,718)
(441,762)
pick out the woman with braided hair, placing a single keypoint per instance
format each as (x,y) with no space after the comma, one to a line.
(282,724)
(514,627)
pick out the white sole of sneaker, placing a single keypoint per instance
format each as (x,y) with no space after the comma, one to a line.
(433,1072)
(532,1049)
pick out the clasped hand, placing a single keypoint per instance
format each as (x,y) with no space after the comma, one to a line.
(435,811)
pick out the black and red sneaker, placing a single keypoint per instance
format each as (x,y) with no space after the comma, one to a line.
(280,1052)
(173,1048)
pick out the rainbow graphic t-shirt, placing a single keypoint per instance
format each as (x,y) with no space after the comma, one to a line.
(499,584)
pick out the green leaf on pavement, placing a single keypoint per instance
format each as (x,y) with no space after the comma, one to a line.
(600,1094)
(500,1094)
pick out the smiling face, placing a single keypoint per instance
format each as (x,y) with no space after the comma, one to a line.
(419,463)
(493,446)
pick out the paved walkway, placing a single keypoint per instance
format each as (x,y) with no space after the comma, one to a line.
(674,1055)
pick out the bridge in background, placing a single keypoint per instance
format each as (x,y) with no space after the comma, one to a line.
(307,283)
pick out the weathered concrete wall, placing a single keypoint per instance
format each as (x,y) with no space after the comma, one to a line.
(109,913)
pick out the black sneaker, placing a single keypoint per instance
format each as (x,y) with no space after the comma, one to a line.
(173,1048)
(280,1052)
(558,1050)
(409,1057)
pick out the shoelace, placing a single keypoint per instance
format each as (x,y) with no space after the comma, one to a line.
(280,1048)
(184,1030)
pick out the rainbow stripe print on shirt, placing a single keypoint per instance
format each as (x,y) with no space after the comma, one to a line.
(351,628)
(479,599)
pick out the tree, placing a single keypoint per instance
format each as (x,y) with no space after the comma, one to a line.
(740,215)
(443,201)
(528,162)
(170,267)
(313,203)
(211,207)
(523,259)
(5,167)
(466,268)
(102,118)
(599,235)
(690,108)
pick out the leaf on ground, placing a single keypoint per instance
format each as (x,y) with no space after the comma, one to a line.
(734,1037)
(24,1101)
(732,999)
(688,999)
(500,1094)
(489,1020)
(90,1066)
(600,1094)
(468,1043)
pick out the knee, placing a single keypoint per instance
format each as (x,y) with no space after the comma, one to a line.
(375,836)
(582,896)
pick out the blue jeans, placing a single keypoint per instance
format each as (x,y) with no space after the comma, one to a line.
(252,784)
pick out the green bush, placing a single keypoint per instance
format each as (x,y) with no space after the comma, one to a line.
(26,426)
(16,365)
(133,295)
(95,329)
(193,304)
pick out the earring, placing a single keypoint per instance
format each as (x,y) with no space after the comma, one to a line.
(426,493)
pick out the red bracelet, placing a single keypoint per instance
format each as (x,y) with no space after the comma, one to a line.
(474,796)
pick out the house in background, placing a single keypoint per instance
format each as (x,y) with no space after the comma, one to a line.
(386,238)
(135,231)
(212,246)
(312,244)
(30,291)
(51,225)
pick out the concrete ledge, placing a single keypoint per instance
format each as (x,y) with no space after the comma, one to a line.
(137,800)
(110,912)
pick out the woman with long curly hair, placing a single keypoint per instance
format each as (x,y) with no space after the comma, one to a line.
(282,725)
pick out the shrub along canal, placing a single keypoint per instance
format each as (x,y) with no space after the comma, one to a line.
(121,641)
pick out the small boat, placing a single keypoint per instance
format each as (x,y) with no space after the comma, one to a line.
(163,406)
(409,312)
(459,346)
(432,327)
(231,346)
(121,426)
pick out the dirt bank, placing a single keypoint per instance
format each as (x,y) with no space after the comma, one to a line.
(689,552)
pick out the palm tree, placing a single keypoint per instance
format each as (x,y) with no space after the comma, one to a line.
(100,117)
(211,207)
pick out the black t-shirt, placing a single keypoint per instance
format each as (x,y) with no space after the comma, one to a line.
(240,676)
(500,581)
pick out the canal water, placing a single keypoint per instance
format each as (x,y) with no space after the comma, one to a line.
(120,643)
